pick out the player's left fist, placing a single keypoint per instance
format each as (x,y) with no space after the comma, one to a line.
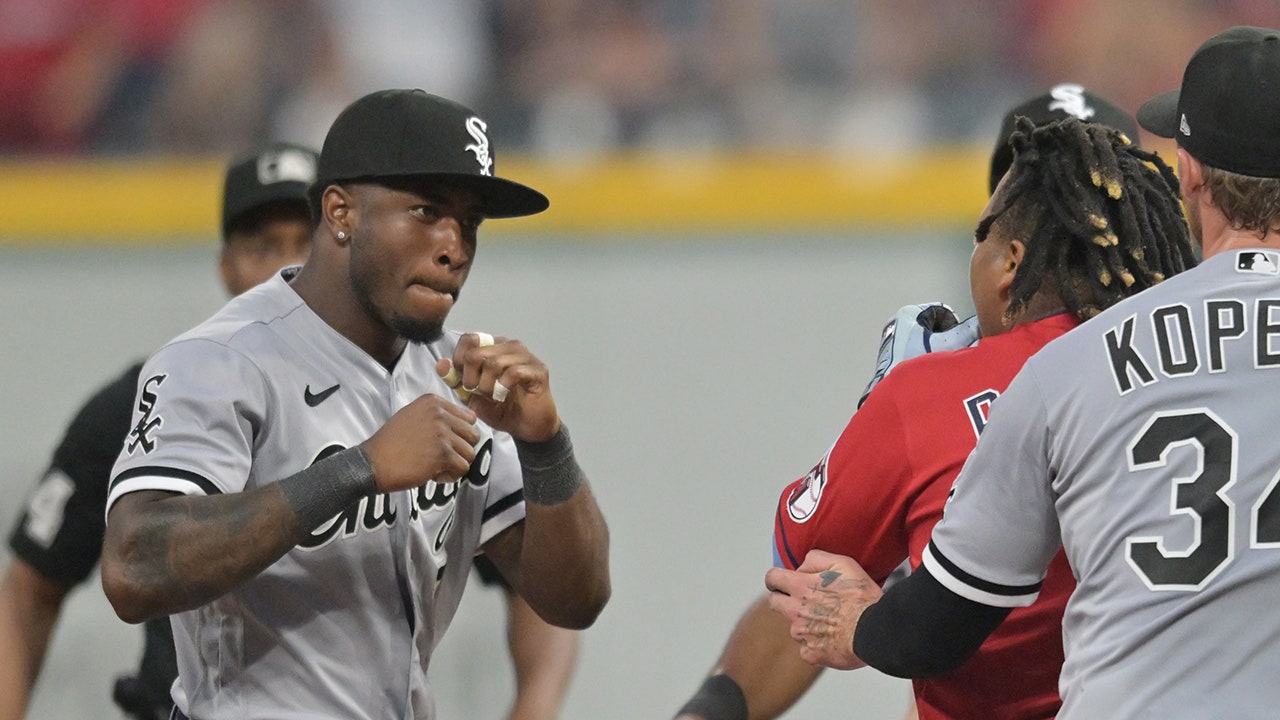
(504,383)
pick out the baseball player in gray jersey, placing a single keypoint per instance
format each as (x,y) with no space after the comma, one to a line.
(1142,442)
(311,471)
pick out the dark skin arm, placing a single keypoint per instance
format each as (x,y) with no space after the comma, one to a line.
(165,553)
(557,558)
(553,559)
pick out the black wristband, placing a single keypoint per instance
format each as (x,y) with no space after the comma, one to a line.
(719,698)
(550,471)
(329,486)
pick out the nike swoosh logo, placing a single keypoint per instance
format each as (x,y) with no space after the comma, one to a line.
(314,399)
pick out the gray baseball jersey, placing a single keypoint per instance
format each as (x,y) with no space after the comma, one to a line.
(1145,443)
(343,625)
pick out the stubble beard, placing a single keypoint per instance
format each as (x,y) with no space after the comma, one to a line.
(416,330)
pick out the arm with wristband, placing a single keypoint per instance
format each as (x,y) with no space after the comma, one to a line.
(557,558)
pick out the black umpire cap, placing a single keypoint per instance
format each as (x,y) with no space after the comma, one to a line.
(277,172)
(393,133)
(1063,100)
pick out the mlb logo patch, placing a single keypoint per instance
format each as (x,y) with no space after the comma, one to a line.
(1259,262)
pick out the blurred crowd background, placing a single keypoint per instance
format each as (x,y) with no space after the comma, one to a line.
(567,77)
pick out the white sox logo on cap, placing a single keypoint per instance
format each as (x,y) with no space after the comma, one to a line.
(1070,99)
(476,129)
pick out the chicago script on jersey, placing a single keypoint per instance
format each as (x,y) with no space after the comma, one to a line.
(373,512)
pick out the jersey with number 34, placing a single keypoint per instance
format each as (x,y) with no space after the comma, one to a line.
(1147,444)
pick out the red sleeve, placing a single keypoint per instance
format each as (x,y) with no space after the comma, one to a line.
(853,502)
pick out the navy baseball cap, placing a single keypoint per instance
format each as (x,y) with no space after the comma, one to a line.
(1063,100)
(281,171)
(392,133)
(1227,112)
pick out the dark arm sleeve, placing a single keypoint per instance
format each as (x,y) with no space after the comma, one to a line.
(921,629)
(60,532)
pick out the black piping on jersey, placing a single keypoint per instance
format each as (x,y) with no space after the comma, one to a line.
(505,503)
(158,471)
(786,544)
(978,583)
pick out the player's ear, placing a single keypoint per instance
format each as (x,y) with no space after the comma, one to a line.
(1015,251)
(335,211)
(1190,173)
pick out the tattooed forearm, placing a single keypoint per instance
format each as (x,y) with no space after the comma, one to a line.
(166,553)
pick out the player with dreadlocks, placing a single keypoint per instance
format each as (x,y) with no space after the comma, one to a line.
(1109,204)
(1141,444)
(1038,269)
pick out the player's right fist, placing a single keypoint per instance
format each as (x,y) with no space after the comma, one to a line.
(918,329)
(431,438)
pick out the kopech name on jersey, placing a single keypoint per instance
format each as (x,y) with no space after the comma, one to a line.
(1191,341)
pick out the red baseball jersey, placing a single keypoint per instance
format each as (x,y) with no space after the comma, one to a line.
(880,489)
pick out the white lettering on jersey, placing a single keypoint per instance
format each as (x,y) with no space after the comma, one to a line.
(476,129)
(47,506)
(1069,98)
(1183,349)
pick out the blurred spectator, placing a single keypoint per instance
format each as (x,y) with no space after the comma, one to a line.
(68,65)
(230,69)
(578,76)
(441,46)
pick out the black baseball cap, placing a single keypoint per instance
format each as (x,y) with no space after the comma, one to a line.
(1227,113)
(393,133)
(1063,100)
(280,171)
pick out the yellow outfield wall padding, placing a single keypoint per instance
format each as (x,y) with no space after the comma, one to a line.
(168,200)
(138,201)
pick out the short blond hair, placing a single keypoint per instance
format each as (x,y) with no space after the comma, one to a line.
(1247,202)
